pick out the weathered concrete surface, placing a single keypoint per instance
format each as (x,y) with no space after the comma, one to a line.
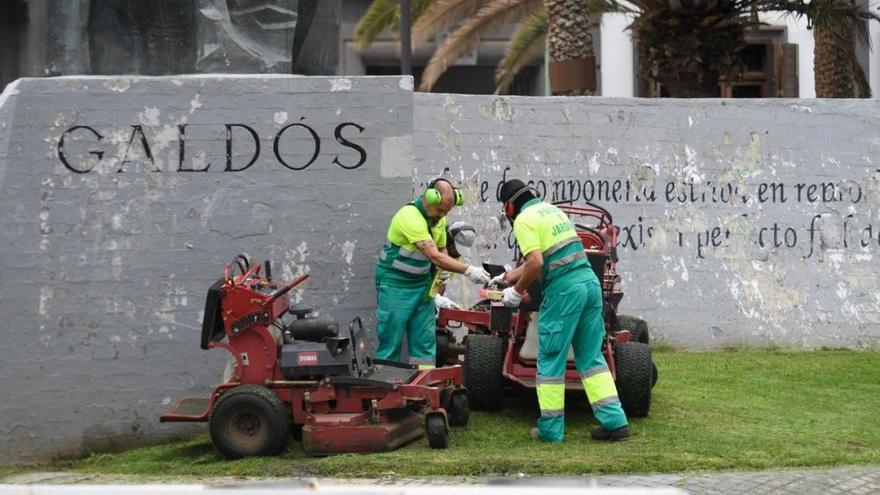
(753,222)
(110,241)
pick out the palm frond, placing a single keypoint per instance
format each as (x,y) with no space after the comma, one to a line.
(418,7)
(599,7)
(862,84)
(381,14)
(442,14)
(489,19)
(525,45)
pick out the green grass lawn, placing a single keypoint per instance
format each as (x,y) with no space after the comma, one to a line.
(747,409)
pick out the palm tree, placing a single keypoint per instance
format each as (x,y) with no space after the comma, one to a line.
(570,47)
(688,46)
(488,17)
(837,27)
(477,18)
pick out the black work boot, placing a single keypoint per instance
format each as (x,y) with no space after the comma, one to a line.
(600,433)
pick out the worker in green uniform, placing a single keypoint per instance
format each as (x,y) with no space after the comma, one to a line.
(570,313)
(415,248)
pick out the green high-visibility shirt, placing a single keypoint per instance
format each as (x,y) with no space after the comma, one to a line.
(542,226)
(400,261)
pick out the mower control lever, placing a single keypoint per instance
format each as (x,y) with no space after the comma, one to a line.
(287,288)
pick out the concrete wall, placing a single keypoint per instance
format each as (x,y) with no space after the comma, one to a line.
(750,222)
(109,243)
(753,222)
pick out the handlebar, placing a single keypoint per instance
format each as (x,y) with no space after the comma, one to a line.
(287,288)
(603,215)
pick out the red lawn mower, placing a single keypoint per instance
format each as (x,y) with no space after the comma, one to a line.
(501,344)
(296,373)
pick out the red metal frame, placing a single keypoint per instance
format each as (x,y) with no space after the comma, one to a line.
(250,306)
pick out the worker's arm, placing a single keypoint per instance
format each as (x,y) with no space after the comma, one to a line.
(439,258)
(528,271)
(511,276)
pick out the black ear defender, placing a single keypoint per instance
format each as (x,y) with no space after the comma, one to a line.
(433,196)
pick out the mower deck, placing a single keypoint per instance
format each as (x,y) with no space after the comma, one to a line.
(348,433)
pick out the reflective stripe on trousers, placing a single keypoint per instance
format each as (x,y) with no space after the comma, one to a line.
(551,395)
(599,385)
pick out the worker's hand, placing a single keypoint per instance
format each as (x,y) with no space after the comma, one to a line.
(477,275)
(510,297)
(443,276)
(498,281)
(443,302)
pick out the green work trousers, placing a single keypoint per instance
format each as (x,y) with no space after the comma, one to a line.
(573,317)
(406,311)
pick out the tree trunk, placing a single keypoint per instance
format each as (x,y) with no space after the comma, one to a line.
(832,62)
(570,40)
(691,86)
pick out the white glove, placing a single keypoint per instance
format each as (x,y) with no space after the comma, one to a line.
(444,302)
(498,281)
(443,276)
(510,297)
(477,275)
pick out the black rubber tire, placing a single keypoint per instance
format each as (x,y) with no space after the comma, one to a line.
(634,377)
(442,349)
(459,410)
(483,366)
(247,421)
(654,374)
(438,433)
(637,327)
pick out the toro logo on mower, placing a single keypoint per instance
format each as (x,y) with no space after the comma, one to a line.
(307,358)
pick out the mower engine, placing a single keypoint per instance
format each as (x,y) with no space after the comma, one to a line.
(313,349)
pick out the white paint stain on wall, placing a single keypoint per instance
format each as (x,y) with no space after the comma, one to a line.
(118,84)
(340,84)
(46,294)
(149,117)
(348,251)
(195,104)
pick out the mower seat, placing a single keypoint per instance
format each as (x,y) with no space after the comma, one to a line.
(529,349)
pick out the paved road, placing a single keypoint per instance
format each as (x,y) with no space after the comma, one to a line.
(849,480)
(856,480)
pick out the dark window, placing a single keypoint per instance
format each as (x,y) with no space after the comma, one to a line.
(747,91)
(755,57)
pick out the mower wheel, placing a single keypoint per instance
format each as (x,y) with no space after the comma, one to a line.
(442,348)
(635,372)
(459,410)
(249,420)
(637,327)
(483,368)
(438,432)
(653,375)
